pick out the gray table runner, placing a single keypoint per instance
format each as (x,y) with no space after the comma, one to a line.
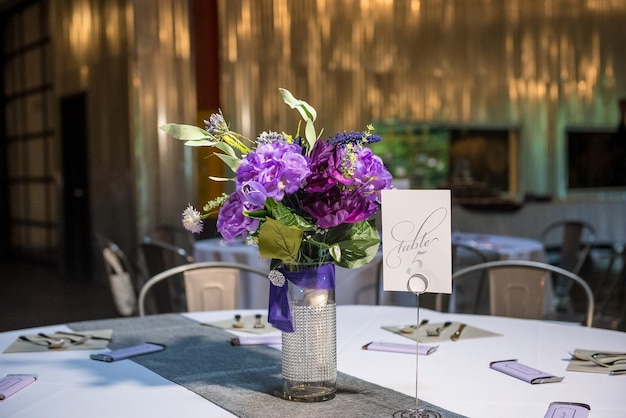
(241,379)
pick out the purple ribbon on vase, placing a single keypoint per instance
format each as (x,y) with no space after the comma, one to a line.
(318,278)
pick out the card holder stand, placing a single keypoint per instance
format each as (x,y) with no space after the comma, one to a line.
(567,410)
(523,372)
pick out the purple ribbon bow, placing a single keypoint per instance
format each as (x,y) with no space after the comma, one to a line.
(318,278)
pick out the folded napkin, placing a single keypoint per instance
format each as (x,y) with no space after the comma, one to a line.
(581,362)
(245,324)
(421,333)
(61,341)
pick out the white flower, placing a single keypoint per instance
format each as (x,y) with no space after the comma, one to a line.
(192,220)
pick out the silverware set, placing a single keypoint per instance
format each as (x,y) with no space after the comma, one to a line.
(616,362)
(59,339)
(434,332)
(437,331)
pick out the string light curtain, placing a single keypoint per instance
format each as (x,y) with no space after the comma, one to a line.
(541,65)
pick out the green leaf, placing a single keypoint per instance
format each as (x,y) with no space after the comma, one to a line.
(232,162)
(278,241)
(284,215)
(354,245)
(356,254)
(186,132)
(225,148)
(307,112)
(221,178)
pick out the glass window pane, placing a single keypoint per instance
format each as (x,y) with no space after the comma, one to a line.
(16,191)
(36,158)
(32,69)
(34,113)
(37,202)
(14,153)
(32,24)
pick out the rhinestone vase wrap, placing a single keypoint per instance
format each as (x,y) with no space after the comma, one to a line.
(309,353)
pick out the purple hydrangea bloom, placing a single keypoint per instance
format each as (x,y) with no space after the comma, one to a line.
(231,221)
(279,168)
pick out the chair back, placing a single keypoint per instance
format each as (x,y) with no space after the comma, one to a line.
(516,292)
(573,239)
(173,235)
(120,276)
(156,257)
(212,288)
(209,285)
(464,255)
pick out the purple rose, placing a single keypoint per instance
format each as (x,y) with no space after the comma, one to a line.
(231,221)
(337,206)
(325,158)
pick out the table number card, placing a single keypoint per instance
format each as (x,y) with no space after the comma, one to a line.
(416,241)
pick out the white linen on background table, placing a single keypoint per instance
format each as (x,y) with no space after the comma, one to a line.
(353,286)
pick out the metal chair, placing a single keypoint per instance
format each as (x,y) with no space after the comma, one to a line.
(612,283)
(567,244)
(121,276)
(572,239)
(464,255)
(156,257)
(173,235)
(517,287)
(209,285)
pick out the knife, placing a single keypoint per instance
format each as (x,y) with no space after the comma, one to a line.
(457,333)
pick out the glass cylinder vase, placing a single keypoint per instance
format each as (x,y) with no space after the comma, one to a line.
(309,353)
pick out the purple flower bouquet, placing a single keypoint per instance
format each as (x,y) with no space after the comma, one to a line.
(300,199)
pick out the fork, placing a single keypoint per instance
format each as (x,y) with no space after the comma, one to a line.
(48,342)
(436,332)
(71,340)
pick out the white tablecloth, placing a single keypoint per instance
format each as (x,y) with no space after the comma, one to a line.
(507,247)
(457,376)
(353,286)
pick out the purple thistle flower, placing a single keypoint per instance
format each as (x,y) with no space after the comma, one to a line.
(358,138)
(216,124)
(269,137)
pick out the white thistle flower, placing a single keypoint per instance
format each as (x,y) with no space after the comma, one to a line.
(192,221)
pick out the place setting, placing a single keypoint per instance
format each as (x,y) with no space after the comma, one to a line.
(440,332)
(611,363)
(61,341)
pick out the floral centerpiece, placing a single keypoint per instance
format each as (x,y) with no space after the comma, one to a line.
(303,200)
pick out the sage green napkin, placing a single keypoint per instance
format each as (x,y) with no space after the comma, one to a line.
(445,334)
(93,340)
(578,364)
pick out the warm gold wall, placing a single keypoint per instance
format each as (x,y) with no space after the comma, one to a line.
(540,64)
(133,59)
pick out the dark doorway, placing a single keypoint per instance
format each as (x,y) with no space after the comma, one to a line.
(76,254)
